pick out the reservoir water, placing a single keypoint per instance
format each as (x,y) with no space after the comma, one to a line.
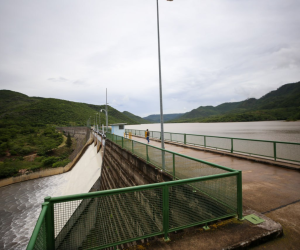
(269,130)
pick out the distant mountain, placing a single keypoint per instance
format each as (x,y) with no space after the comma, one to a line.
(136,118)
(280,104)
(167,117)
(17,107)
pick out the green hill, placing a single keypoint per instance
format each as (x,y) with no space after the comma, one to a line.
(280,104)
(136,118)
(19,108)
(167,117)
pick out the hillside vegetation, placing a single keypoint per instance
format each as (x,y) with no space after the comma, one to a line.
(136,118)
(27,130)
(167,117)
(280,104)
(17,107)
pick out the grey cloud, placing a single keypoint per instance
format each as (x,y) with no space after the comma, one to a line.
(211,51)
(59,79)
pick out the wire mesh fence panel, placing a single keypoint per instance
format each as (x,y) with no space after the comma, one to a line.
(41,241)
(286,151)
(118,140)
(260,148)
(155,135)
(115,218)
(140,133)
(127,144)
(73,221)
(195,140)
(140,150)
(155,156)
(167,136)
(219,143)
(195,203)
(178,138)
(187,168)
(161,159)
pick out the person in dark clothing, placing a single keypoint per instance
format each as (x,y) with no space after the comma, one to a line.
(148,134)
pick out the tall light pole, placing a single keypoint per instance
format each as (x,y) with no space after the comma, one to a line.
(160,84)
(106,113)
(100,119)
(96,122)
(106,117)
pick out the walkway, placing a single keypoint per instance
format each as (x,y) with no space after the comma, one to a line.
(268,189)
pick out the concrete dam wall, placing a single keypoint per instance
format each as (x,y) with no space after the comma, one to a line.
(100,221)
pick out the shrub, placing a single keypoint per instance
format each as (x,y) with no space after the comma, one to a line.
(61,163)
(49,161)
(7,172)
(13,152)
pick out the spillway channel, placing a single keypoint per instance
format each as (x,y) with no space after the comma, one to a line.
(20,203)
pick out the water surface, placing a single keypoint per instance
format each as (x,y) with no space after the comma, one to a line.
(268,130)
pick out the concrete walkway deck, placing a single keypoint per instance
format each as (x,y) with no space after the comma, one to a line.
(269,189)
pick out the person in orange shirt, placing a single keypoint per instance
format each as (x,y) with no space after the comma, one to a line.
(148,134)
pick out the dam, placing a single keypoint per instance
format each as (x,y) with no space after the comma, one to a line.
(162,185)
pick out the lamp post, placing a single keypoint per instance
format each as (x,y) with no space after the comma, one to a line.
(160,84)
(105,110)
(99,120)
(106,117)
(89,122)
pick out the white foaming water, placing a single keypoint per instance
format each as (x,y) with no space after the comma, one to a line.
(21,202)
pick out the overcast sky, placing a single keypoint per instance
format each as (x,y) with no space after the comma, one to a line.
(212,51)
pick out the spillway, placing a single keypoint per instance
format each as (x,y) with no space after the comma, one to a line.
(21,202)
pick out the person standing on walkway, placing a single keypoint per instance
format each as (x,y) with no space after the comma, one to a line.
(148,134)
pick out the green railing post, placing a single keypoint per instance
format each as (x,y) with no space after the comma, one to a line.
(132,147)
(171,136)
(166,212)
(163,159)
(174,176)
(239,196)
(49,220)
(231,145)
(184,140)
(147,153)
(274,146)
(205,141)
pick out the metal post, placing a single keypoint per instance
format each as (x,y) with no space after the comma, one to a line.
(174,173)
(147,153)
(160,84)
(132,147)
(49,220)
(184,139)
(166,212)
(239,196)
(205,141)
(231,145)
(274,146)
(100,121)
(106,113)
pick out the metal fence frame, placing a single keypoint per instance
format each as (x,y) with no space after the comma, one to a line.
(203,141)
(46,218)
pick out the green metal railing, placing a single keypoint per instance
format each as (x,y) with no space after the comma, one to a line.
(276,150)
(108,218)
